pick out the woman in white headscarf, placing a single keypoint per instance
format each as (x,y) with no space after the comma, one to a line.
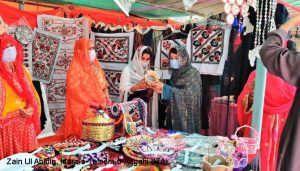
(133,85)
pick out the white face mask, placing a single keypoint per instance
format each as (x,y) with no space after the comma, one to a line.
(145,65)
(93,55)
(9,54)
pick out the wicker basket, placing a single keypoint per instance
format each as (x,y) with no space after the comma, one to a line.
(98,128)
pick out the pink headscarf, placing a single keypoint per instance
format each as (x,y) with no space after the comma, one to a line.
(279,97)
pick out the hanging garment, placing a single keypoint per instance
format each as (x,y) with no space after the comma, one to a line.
(70,29)
(208,48)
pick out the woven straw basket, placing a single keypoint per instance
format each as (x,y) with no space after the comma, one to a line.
(98,128)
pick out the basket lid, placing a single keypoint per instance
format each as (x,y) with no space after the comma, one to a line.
(101,117)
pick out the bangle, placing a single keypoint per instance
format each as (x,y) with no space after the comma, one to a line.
(129,91)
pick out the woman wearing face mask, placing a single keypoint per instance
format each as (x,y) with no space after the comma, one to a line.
(183,94)
(132,84)
(19,102)
(87,88)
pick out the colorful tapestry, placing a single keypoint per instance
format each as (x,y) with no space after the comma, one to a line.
(114,51)
(70,30)
(57,117)
(45,49)
(64,59)
(56,91)
(165,48)
(113,78)
(207,45)
(208,48)
(113,48)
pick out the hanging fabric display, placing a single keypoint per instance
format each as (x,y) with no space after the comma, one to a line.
(113,78)
(114,51)
(208,48)
(162,58)
(70,30)
(45,48)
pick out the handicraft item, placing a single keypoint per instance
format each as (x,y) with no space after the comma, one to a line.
(99,128)
(129,125)
(252,144)
(158,151)
(24,34)
(136,113)
(133,144)
(234,151)
(151,76)
(218,162)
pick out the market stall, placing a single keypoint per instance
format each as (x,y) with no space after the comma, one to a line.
(131,135)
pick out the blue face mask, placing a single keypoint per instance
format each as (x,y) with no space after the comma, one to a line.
(174,63)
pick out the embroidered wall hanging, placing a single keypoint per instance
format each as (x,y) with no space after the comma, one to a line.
(45,49)
(70,30)
(208,48)
(114,48)
(57,117)
(114,51)
(56,98)
(64,59)
(207,45)
(113,79)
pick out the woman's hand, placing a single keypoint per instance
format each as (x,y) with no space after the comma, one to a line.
(142,85)
(157,86)
(27,112)
(251,94)
(94,107)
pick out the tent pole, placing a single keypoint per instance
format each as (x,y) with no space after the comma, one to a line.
(21,5)
(259,95)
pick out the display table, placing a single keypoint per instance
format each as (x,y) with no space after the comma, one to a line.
(189,149)
(218,117)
